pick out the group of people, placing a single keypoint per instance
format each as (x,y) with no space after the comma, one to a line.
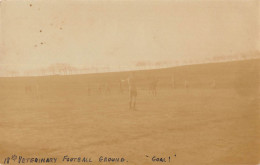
(132,88)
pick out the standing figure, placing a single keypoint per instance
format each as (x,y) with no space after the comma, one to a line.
(132,91)
(121,89)
(213,83)
(107,86)
(153,86)
(37,92)
(186,84)
(100,89)
(172,82)
(89,90)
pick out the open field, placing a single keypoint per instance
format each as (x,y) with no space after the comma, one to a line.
(201,124)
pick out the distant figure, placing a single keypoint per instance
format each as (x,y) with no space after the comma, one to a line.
(213,84)
(132,91)
(107,88)
(33,90)
(172,82)
(153,86)
(89,90)
(28,89)
(37,92)
(186,84)
(100,89)
(121,89)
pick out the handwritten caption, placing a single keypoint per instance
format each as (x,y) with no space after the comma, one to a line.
(68,159)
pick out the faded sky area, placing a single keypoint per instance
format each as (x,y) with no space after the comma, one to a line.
(41,33)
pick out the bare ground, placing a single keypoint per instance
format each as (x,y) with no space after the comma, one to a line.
(201,125)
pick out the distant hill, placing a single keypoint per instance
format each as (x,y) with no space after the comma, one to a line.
(236,74)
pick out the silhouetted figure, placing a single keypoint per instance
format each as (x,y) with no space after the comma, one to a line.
(213,83)
(37,91)
(132,91)
(28,89)
(172,82)
(89,90)
(121,89)
(107,88)
(33,90)
(153,86)
(186,84)
(100,89)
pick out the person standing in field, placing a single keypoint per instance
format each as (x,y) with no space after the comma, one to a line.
(172,82)
(121,89)
(89,90)
(153,86)
(132,91)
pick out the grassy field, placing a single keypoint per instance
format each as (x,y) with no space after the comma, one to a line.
(200,124)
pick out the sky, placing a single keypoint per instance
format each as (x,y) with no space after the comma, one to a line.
(40,33)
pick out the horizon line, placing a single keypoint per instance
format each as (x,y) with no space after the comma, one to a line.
(130,70)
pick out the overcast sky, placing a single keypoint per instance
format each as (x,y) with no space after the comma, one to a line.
(44,32)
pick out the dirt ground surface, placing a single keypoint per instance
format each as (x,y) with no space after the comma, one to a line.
(55,116)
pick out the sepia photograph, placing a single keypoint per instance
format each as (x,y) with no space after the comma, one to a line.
(130,82)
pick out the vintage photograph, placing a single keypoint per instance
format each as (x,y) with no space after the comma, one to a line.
(130,82)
